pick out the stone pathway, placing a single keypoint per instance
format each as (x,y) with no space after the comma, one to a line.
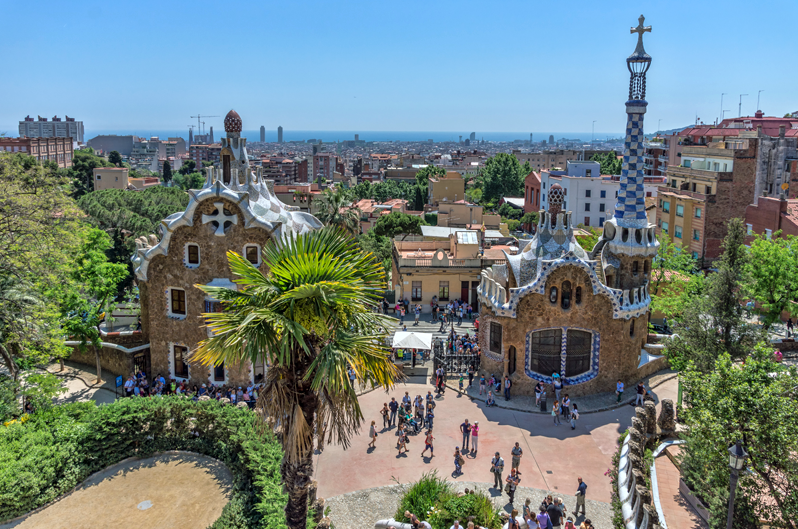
(678,513)
(363,508)
(79,381)
(588,404)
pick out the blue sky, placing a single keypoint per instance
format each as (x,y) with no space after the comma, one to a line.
(378,65)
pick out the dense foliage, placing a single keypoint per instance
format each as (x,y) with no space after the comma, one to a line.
(674,280)
(397,223)
(502,176)
(752,401)
(336,209)
(55,450)
(379,246)
(433,499)
(609,162)
(774,274)
(714,322)
(138,212)
(84,161)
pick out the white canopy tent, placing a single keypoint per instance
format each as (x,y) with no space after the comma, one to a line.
(412,340)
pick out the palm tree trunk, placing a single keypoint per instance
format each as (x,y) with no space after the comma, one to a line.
(298,475)
(9,361)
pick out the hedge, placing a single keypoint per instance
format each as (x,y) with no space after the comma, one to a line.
(56,449)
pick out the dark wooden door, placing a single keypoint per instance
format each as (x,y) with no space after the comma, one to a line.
(464,291)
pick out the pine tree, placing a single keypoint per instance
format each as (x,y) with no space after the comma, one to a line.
(167,172)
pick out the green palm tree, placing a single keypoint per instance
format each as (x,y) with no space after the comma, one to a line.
(309,319)
(336,209)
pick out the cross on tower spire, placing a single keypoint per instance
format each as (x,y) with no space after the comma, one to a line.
(640,29)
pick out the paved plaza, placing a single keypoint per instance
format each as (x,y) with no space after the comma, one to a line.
(554,456)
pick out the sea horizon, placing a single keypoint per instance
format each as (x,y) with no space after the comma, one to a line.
(328,136)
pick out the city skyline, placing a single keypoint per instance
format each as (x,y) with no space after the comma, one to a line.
(460,67)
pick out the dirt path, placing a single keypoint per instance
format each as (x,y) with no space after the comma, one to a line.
(175,490)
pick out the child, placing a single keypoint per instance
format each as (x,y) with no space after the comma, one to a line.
(460,383)
(574,417)
(482,386)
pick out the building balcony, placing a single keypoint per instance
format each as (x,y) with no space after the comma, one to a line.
(688,172)
(663,159)
(649,166)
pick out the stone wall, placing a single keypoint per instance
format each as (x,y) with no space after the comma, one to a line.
(619,353)
(171,271)
(111,360)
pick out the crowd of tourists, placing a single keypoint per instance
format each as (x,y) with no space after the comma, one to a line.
(551,513)
(138,386)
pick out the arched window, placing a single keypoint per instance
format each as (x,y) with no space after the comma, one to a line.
(645,267)
(631,328)
(577,352)
(193,254)
(611,281)
(578,295)
(635,267)
(565,297)
(226,169)
(553,294)
(495,344)
(545,351)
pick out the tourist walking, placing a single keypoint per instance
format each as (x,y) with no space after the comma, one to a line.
(465,429)
(373,434)
(471,373)
(566,407)
(516,452)
(393,406)
(574,417)
(386,417)
(619,389)
(538,391)
(428,444)
(557,383)
(555,512)
(641,393)
(580,497)
(555,412)
(512,482)
(474,438)
(430,415)
(789,327)
(507,385)
(458,461)
(482,384)
(543,399)
(403,439)
(543,518)
(497,467)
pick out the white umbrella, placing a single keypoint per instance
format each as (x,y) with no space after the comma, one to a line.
(412,340)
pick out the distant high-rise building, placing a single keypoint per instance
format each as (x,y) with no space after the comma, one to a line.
(357,137)
(473,136)
(467,142)
(461,139)
(190,137)
(211,135)
(530,137)
(279,134)
(41,128)
(551,139)
(262,133)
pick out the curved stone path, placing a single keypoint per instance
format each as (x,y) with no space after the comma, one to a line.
(175,490)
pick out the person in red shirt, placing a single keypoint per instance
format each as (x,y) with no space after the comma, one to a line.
(476,324)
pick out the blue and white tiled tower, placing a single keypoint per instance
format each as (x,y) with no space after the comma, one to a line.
(628,236)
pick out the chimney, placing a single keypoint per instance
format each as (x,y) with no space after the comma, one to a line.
(759,114)
(781,131)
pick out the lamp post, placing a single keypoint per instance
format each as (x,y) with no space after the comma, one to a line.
(737,458)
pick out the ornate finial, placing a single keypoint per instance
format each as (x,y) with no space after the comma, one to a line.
(640,29)
(556,198)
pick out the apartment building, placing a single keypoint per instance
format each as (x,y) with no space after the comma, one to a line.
(590,196)
(205,153)
(42,128)
(462,214)
(52,149)
(447,188)
(655,156)
(539,161)
(323,167)
(532,192)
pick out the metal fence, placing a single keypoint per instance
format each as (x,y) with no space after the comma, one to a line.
(453,362)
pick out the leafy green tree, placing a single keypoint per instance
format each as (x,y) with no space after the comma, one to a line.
(713,323)
(84,161)
(431,219)
(167,172)
(37,233)
(530,219)
(502,176)
(609,162)
(422,181)
(115,158)
(752,401)
(309,319)
(336,209)
(188,167)
(189,181)
(674,279)
(362,191)
(379,246)
(774,272)
(506,210)
(418,201)
(397,223)
(139,213)
(91,293)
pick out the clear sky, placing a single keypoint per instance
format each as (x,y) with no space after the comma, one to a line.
(390,65)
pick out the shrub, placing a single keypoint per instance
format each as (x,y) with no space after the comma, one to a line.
(58,448)
(432,498)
